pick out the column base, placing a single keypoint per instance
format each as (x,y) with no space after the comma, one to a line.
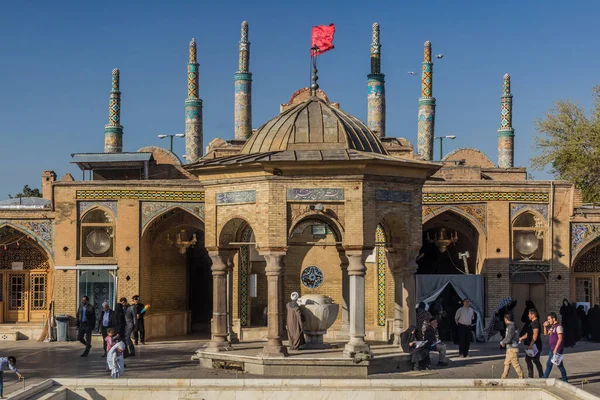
(270,351)
(233,338)
(215,347)
(358,350)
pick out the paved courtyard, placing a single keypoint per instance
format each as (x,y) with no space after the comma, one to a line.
(171,359)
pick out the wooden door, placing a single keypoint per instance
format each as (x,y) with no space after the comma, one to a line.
(17,297)
(535,292)
(520,292)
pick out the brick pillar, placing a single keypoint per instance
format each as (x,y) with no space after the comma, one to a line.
(219,268)
(356,271)
(274,272)
(409,295)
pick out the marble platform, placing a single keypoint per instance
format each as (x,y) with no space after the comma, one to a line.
(331,363)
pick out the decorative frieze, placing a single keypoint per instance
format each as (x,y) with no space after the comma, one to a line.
(42,231)
(315,194)
(246,196)
(476,211)
(397,196)
(484,196)
(581,235)
(165,195)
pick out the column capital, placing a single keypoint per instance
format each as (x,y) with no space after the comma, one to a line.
(221,259)
(275,260)
(356,260)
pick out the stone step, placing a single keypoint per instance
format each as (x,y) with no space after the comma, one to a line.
(9,336)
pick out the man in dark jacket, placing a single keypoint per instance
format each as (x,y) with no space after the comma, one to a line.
(130,313)
(434,343)
(105,322)
(86,321)
(140,321)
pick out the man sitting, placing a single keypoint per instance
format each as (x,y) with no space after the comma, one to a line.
(433,342)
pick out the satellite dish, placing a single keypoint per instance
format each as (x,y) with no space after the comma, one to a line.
(98,241)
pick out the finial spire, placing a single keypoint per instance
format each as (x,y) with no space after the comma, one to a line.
(113,131)
(426,119)
(314,86)
(193,51)
(376,87)
(243,89)
(506,133)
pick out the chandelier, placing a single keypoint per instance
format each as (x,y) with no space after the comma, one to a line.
(181,241)
(442,240)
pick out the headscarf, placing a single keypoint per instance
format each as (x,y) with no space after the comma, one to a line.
(294,296)
(405,338)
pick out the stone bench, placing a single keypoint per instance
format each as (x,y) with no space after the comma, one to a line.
(10,336)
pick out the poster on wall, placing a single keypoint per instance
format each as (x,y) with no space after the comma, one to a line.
(17,265)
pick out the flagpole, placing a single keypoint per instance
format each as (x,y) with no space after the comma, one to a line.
(314,54)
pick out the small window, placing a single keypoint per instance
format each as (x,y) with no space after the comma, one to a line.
(528,234)
(96,234)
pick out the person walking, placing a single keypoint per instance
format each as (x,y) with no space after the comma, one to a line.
(130,313)
(511,343)
(140,331)
(105,323)
(556,341)
(86,321)
(432,337)
(532,338)
(464,319)
(9,363)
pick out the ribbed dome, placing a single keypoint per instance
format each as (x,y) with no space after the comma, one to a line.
(313,125)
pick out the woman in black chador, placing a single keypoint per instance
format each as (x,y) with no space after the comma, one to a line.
(594,323)
(409,340)
(585,329)
(569,323)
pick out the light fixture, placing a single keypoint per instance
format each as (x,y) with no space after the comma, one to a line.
(319,207)
(181,241)
(180,135)
(162,136)
(442,240)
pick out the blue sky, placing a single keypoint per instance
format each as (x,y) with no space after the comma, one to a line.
(57,59)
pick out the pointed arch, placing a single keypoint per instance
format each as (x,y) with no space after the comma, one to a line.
(40,232)
(476,223)
(165,213)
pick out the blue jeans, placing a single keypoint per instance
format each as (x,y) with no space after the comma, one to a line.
(561,367)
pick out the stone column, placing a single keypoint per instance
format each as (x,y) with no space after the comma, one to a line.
(231,335)
(274,272)
(356,272)
(394,263)
(409,296)
(345,328)
(219,268)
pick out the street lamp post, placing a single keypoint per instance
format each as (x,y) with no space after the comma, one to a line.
(441,139)
(179,135)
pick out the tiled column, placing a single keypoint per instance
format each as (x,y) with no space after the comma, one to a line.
(345,328)
(409,295)
(219,268)
(274,272)
(356,271)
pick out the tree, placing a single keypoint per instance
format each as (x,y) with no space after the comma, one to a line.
(569,141)
(27,192)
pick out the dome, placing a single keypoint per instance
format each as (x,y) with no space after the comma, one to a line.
(313,125)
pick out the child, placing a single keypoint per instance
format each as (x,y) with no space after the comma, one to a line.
(110,340)
(10,363)
(115,360)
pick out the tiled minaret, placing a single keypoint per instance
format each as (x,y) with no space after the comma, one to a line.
(426,108)
(506,133)
(113,132)
(243,90)
(376,88)
(193,111)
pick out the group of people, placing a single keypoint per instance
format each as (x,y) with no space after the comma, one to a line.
(117,328)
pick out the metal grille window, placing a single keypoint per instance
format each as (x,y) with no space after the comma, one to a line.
(39,287)
(96,237)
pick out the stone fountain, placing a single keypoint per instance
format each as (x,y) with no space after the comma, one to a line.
(319,314)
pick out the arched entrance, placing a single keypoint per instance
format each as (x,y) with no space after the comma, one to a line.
(586,274)
(24,277)
(435,258)
(175,275)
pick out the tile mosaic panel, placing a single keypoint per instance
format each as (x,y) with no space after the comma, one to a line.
(86,205)
(42,231)
(151,209)
(168,195)
(516,209)
(484,196)
(380,238)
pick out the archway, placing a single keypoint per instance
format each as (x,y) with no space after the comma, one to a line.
(24,277)
(435,259)
(175,276)
(586,274)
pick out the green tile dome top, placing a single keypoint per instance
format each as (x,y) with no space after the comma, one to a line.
(313,125)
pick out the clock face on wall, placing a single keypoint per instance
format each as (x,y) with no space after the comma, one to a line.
(312,277)
(98,241)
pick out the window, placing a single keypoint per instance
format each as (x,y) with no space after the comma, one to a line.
(528,233)
(96,234)
(583,289)
(39,285)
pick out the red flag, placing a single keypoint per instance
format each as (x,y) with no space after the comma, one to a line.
(322,39)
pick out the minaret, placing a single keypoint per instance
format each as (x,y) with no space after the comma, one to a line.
(193,111)
(113,132)
(243,90)
(426,108)
(506,133)
(376,88)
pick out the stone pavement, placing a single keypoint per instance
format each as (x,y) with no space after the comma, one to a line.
(171,359)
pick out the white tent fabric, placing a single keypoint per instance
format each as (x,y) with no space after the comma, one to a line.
(429,287)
